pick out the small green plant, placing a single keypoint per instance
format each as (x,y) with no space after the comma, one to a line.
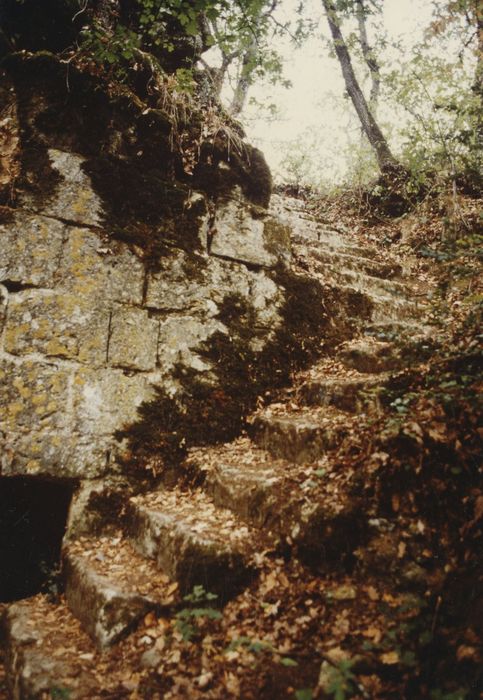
(256,646)
(402,403)
(457,695)
(304,694)
(341,681)
(253,645)
(59,693)
(186,619)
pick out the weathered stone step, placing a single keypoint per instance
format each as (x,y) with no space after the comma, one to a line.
(109,586)
(191,540)
(242,477)
(369,355)
(299,504)
(375,268)
(382,307)
(298,436)
(389,330)
(334,243)
(369,284)
(348,393)
(48,654)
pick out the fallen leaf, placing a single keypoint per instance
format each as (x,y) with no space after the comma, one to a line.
(149,619)
(373,633)
(372,593)
(467,652)
(343,593)
(390,658)
(336,655)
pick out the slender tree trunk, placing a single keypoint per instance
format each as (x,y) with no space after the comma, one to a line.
(478,79)
(369,57)
(385,159)
(244,79)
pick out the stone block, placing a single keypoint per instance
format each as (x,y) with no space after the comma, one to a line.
(247,234)
(60,422)
(30,249)
(179,339)
(267,298)
(34,428)
(133,339)
(74,199)
(93,269)
(106,611)
(56,325)
(106,400)
(180,284)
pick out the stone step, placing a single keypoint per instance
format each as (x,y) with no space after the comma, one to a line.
(369,355)
(298,436)
(293,503)
(48,654)
(333,243)
(392,330)
(244,478)
(354,394)
(368,308)
(368,284)
(191,540)
(382,307)
(373,267)
(109,586)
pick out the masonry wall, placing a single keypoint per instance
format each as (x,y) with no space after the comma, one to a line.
(88,331)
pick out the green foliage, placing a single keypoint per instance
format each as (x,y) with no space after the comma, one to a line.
(60,693)
(256,646)
(304,694)
(187,618)
(441,134)
(252,645)
(114,51)
(456,695)
(341,681)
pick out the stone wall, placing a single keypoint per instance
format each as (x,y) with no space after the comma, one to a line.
(88,330)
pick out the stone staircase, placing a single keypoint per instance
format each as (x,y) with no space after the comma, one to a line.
(254,494)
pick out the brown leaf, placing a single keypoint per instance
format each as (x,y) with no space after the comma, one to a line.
(390,658)
(372,593)
(373,633)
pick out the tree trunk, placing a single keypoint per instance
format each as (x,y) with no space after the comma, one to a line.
(244,79)
(385,159)
(369,57)
(478,79)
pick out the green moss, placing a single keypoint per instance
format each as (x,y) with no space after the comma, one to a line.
(277,236)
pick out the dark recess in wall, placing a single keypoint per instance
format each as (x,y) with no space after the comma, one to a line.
(33,516)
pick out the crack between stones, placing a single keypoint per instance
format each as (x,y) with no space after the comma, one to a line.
(253,267)
(109,335)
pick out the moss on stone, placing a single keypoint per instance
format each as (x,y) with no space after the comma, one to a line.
(277,236)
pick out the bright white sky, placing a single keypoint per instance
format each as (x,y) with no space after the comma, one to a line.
(314,108)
